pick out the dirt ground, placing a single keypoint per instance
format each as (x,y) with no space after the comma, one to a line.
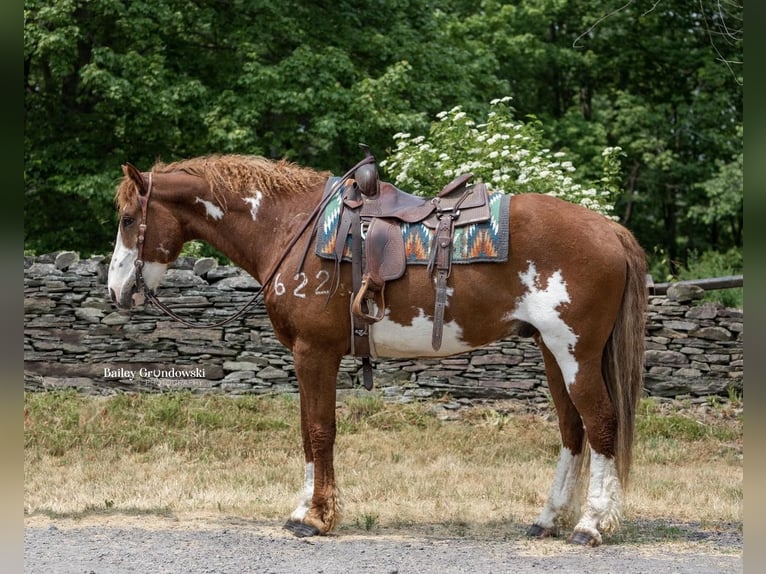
(119,544)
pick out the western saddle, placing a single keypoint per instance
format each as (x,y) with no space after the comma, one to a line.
(374,211)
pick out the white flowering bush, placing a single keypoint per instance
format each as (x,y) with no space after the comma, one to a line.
(504,153)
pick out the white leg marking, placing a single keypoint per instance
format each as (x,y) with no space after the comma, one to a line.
(539,308)
(390,339)
(308,491)
(602,511)
(563,490)
(211,209)
(254,203)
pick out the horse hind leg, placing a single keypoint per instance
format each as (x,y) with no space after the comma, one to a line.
(586,416)
(588,426)
(604,497)
(564,497)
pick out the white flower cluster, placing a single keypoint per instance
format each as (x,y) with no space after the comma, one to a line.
(504,153)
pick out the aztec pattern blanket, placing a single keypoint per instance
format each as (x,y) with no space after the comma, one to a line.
(478,242)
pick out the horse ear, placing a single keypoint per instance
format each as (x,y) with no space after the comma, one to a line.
(132,172)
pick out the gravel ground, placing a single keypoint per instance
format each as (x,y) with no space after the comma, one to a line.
(123,545)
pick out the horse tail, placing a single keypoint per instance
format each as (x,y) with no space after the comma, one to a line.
(622,364)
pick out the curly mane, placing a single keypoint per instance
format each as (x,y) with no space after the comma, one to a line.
(241,174)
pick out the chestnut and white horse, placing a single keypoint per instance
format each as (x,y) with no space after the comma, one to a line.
(574,280)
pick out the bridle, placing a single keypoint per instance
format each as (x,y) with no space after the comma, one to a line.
(143,201)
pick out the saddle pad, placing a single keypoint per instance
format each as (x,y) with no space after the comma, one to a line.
(473,243)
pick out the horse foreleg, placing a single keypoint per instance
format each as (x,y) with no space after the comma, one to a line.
(304,502)
(563,497)
(319,509)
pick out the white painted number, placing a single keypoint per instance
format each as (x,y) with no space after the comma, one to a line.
(324,277)
(302,280)
(298,291)
(279,287)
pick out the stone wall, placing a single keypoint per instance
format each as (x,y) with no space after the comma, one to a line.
(73,337)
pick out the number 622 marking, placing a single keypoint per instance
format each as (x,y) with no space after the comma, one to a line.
(302,280)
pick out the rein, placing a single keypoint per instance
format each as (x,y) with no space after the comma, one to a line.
(139,263)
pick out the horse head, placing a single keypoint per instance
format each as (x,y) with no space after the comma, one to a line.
(149,237)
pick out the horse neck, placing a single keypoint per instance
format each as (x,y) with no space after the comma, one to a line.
(253,231)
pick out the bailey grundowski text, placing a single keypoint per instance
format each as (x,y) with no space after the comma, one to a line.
(144,373)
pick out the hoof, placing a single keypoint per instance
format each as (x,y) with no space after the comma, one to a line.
(301,530)
(583,539)
(537,531)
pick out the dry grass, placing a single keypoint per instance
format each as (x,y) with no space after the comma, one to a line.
(487,469)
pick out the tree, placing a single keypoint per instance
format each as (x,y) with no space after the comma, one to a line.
(109,81)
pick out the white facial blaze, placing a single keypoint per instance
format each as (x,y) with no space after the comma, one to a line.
(122,266)
(254,202)
(211,209)
(122,276)
(539,307)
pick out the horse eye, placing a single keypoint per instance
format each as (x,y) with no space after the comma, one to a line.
(127,221)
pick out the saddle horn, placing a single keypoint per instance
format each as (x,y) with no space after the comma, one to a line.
(366,176)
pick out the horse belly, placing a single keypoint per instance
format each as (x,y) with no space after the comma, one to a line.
(393,340)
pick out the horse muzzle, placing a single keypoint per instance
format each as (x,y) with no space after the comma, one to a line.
(129,297)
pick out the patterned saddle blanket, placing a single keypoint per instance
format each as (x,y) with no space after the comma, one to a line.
(473,243)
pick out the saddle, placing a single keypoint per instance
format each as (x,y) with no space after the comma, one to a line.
(375,211)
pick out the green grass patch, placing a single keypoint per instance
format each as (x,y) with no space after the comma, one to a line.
(60,421)
(653,423)
(371,412)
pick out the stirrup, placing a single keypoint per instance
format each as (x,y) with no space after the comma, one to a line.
(365,295)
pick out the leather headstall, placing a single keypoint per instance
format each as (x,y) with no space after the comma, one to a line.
(143,201)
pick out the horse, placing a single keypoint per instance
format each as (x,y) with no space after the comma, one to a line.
(573,280)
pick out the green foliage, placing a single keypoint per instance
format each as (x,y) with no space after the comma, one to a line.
(722,205)
(703,266)
(109,81)
(367,521)
(714,264)
(506,154)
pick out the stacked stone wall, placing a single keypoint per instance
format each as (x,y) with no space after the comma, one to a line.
(73,337)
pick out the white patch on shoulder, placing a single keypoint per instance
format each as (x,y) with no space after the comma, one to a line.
(254,202)
(538,307)
(211,209)
(389,339)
